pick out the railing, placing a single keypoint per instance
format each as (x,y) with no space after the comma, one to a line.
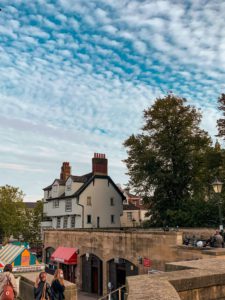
(117,294)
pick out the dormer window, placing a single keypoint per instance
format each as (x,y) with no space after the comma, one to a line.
(55,188)
(69,185)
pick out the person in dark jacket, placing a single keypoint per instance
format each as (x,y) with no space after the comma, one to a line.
(42,288)
(58,286)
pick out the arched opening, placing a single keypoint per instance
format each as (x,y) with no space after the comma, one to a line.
(50,267)
(119,269)
(91,273)
(48,254)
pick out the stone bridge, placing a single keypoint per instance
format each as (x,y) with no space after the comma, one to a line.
(111,255)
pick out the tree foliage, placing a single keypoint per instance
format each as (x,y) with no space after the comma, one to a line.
(221,121)
(16,219)
(170,164)
(11,211)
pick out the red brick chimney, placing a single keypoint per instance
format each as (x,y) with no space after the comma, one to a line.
(99,164)
(65,171)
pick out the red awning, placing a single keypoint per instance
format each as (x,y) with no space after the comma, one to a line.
(65,255)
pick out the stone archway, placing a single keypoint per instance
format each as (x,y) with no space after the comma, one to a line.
(119,269)
(92,276)
(48,254)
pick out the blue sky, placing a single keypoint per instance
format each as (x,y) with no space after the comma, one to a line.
(75,76)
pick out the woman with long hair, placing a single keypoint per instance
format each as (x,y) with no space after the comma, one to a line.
(42,289)
(58,286)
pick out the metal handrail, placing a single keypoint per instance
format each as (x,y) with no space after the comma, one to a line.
(108,296)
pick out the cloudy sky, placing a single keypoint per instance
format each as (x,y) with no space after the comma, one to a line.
(75,76)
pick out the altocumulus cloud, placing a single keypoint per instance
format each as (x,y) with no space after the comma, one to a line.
(76,76)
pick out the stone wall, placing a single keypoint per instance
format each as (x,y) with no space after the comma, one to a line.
(193,280)
(26,287)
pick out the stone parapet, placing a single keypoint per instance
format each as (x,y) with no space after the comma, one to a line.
(26,287)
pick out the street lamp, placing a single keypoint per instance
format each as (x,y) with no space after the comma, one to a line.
(217,186)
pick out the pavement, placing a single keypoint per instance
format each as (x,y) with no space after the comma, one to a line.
(86,296)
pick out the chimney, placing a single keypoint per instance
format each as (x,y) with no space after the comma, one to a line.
(99,164)
(65,171)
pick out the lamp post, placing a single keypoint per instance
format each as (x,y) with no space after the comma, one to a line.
(217,187)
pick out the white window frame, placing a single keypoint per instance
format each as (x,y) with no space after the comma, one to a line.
(65,222)
(68,205)
(89,201)
(56,203)
(58,222)
(73,221)
(129,216)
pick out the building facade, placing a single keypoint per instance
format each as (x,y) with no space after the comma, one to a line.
(134,211)
(92,200)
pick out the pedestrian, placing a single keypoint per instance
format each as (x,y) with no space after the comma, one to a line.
(58,286)
(218,240)
(8,287)
(42,290)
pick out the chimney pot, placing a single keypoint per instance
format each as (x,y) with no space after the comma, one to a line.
(99,164)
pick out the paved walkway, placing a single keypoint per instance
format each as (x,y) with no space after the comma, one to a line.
(85,296)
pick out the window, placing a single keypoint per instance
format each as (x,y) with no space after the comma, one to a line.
(129,216)
(112,219)
(112,201)
(68,205)
(89,201)
(68,187)
(88,219)
(65,222)
(55,203)
(58,222)
(73,222)
(55,188)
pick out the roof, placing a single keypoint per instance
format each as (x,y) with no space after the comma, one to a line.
(65,255)
(30,205)
(10,252)
(60,181)
(86,184)
(82,178)
(130,206)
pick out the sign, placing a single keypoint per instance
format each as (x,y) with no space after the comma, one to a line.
(61,260)
(147,262)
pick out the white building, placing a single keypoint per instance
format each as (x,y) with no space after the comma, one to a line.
(89,201)
(134,211)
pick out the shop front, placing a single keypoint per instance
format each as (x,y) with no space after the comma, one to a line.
(66,259)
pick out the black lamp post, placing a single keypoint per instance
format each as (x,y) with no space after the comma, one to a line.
(217,187)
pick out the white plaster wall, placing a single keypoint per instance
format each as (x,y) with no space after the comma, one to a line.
(100,194)
(74,187)
(60,211)
(143,217)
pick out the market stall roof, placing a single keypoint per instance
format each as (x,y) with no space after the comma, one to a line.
(65,255)
(10,252)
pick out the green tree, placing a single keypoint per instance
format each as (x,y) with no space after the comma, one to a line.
(221,121)
(11,211)
(166,161)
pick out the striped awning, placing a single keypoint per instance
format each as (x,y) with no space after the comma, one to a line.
(10,252)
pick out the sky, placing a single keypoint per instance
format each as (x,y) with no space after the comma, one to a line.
(76,75)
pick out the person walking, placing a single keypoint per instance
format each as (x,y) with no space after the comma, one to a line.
(58,286)
(8,287)
(42,290)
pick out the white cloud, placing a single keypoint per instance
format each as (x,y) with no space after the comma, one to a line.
(76,76)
